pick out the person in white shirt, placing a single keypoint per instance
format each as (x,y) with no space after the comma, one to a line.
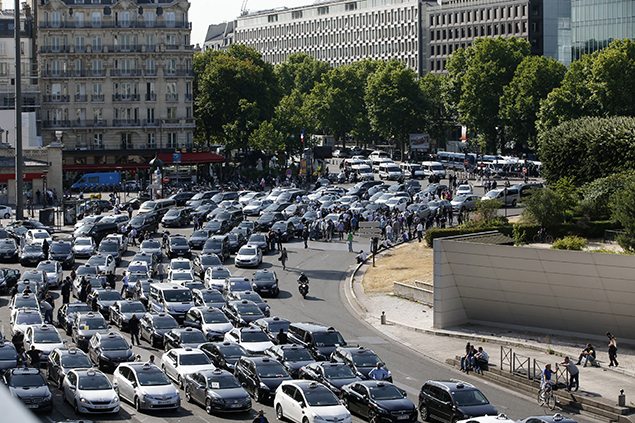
(481,358)
(361,257)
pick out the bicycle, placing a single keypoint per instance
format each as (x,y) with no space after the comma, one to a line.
(543,237)
(546,397)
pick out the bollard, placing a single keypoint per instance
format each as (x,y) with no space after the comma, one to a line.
(382,319)
(621,399)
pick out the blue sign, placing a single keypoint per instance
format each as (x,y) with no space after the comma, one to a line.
(176,157)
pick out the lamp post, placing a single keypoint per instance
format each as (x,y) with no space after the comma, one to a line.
(19,160)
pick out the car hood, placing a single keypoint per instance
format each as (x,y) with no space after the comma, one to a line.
(33,392)
(231,394)
(180,307)
(263,283)
(82,248)
(396,404)
(90,332)
(478,410)
(8,364)
(217,327)
(338,383)
(331,411)
(256,347)
(244,257)
(295,365)
(163,391)
(117,354)
(48,348)
(187,370)
(101,395)
(273,383)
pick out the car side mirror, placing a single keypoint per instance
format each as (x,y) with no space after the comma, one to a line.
(302,404)
(71,387)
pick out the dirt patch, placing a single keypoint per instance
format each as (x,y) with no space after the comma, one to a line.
(406,264)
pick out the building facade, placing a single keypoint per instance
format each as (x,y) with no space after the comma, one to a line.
(337,32)
(219,36)
(116,80)
(595,23)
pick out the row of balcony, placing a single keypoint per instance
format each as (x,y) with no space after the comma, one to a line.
(118,123)
(100,98)
(171,146)
(119,48)
(90,24)
(115,73)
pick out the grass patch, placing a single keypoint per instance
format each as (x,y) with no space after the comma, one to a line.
(406,264)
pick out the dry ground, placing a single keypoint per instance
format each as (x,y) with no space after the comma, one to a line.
(405,264)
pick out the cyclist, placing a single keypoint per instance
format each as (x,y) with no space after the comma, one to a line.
(546,383)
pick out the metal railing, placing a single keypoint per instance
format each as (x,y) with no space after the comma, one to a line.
(506,358)
(528,367)
(521,365)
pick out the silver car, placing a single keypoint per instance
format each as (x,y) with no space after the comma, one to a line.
(53,271)
(84,246)
(464,202)
(146,387)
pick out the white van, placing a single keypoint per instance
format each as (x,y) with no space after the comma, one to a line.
(157,206)
(433,168)
(170,298)
(363,172)
(377,154)
(378,161)
(390,171)
(412,170)
(507,198)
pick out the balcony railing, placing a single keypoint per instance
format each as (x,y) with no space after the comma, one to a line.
(110,24)
(73,73)
(97,97)
(172,97)
(126,97)
(126,122)
(56,123)
(56,98)
(81,98)
(149,123)
(151,97)
(125,72)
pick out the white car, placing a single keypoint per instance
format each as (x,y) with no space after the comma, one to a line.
(122,239)
(44,338)
(254,207)
(248,256)
(6,212)
(211,320)
(397,203)
(24,318)
(179,362)
(303,401)
(215,277)
(23,302)
(180,276)
(105,263)
(145,386)
(181,264)
(139,266)
(254,340)
(84,246)
(501,418)
(37,236)
(89,391)
(464,189)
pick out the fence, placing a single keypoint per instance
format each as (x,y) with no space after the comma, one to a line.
(611,235)
(528,367)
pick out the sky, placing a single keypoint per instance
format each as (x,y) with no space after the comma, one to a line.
(206,12)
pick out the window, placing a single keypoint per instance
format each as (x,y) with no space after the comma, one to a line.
(350,6)
(172,140)
(126,141)
(124,19)
(98,141)
(150,115)
(296,14)
(323,10)
(272,18)
(170,19)
(152,143)
(79,19)
(171,113)
(55,19)
(96,43)
(95,19)
(149,19)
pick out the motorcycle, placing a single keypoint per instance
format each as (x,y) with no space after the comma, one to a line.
(303,287)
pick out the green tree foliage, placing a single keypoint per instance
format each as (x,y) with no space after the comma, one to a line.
(489,66)
(395,103)
(534,79)
(623,211)
(267,138)
(438,119)
(300,72)
(598,84)
(571,242)
(588,148)
(453,82)
(544,207)
(596,195)
(290,119)
(235,91)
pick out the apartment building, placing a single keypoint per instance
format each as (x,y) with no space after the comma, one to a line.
(116,80)
(219,36)
(337,31)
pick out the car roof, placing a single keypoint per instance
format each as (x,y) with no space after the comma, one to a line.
(313,327)
(451,385)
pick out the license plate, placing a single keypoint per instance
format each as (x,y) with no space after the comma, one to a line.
(403,417)
(31,405)
(235,405)
(164,402)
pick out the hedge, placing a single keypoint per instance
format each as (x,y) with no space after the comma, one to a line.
(593,229)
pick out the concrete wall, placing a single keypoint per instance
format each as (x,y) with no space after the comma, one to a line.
(564,291)
(423,295)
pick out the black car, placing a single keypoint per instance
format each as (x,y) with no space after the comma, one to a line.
(153,327)
(236,240)
(253,297)
(176,218)
(265,282)
(183,338)
(272,326)
(97,231)
(8,278)
(284,230)
(8,357)
(291,356)
(224,355)
(8,250)
(110,247)
(61,360)
(260,376)
(85,326)
(205,261)
(198,238)
(261,240)
(122,311)
(31,255)
(379,401)
(218,227)
(217,390)
(29,386)
(361,360)
(66,314)
(178,247)
(242,312)
(107,350)
(147,222)
(265,221)
(105,298)
(333,375)
(452,400)
(208,297)
(321,340)
(182,197)
(62,251)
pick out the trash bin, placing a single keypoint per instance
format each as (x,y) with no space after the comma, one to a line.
(47,217)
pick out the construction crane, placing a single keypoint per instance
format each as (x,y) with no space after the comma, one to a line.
(243,8)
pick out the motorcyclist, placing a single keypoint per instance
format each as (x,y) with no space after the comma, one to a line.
(302,279)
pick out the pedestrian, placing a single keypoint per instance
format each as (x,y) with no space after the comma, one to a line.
(151,359)
(48,311)
(305,236)
(133,326)
(66,290)
(34,357)
(574,374)
(124,285)
(94,303)
(45,249)
(612,349)
(283,258)
(279,240)
(379,372)
(281,337)
(260,418)
(132,236)
(419,231)
(110,277)
(349,239)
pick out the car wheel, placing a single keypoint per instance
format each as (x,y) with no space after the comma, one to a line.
(7,216)
(208,406)
(373,417)
(423,412)
(137,404)
(279,413)
(76,408)
(188,395)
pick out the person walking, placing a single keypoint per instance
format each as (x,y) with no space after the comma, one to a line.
(349,240)
(574,374)
(124,285)
(612,349)
(419,231)
(305,236)
(260,418)
(133,325)
(48,311)
(283,258)
(66,291)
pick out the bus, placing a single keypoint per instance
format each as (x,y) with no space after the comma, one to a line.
(457,161)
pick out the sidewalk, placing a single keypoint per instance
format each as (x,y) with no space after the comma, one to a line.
(410,323)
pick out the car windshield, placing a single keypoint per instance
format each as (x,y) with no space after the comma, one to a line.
(78,308)
(297,354)
(338,372)
(247,251)
(192,337)
(385,392)
(328,338)
(150,245)
(173,213)
(232,351)
(197,359)
(320,396)
(181,265)
(28,319)
(138,268)
(61,248)
(366,360)
(270,370)
(9,353)
(93,323)
(41,235)
(25,302)
(97,261)
(470,397)
(210,260)
(86,270)
(213,225)
(213,244)
(109,296)
(132,308)
(153,377)
(254,336)
(220,273)
(178,296)
(178,241)
(83,241)
(264,276)
(109,247)
(182,276)
(248,309)
(46,337)
(33,248)
(257,238)
(114,344)
(214,317)
(212,297)
(27,381)
(165,322)
(76,361)
(252,296)
(222,382)
(275,326)
(199,234)
(97,382)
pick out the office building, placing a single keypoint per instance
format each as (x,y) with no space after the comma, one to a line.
(337,31)
(116,81)
(219,36)
(595,23)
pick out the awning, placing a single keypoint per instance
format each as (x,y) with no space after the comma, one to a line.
(202,157)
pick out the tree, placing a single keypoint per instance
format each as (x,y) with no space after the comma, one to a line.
(597,194)
(588,148)
(452,84)
(438,119)
(490,64)
(290,119)
(267,138)
(534,79)
(544,207)
(394,101)
(235,91)
(300,72)
(623,211)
